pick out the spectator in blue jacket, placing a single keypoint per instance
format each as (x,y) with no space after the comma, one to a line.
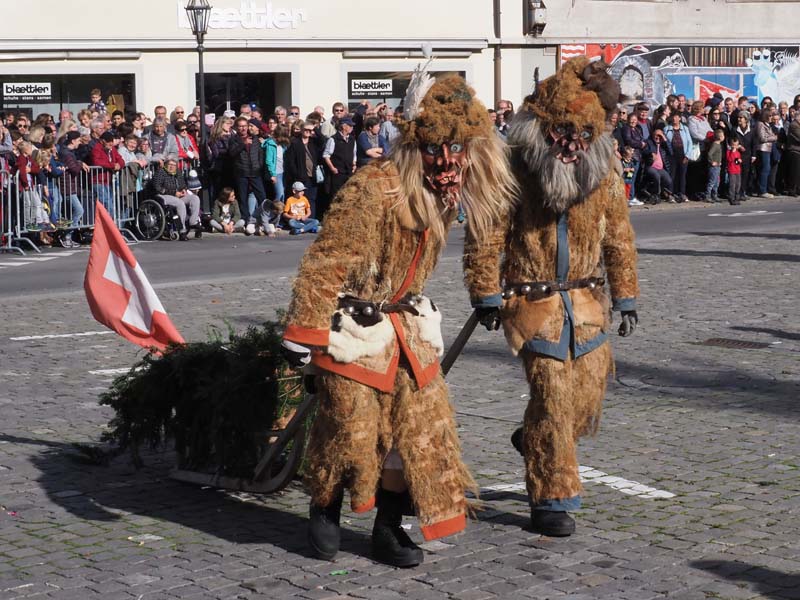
(679,141)
(632,138)
(370,144)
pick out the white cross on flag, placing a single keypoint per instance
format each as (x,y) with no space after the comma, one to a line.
(118,292)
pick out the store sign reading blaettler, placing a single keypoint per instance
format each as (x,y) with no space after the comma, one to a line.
(251,14)
(15,91)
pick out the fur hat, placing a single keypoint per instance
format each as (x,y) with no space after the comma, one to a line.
(448,112)
(581,92)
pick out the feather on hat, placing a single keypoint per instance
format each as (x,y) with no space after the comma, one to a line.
(440,110)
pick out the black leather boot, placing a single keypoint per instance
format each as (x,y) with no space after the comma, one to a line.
(553,523)
(323,528)
(516,440)
(390,544)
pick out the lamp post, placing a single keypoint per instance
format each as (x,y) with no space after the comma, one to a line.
(199,13)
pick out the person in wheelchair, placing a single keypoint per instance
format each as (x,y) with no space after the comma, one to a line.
(169,184)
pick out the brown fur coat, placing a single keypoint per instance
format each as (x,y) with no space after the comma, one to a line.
(601,241)
(381,388)
(370,247)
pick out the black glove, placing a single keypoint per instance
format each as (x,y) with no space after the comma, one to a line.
(629,321)
(489,317)
(296,355)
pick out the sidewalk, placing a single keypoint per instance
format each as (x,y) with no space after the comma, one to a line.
(692,484)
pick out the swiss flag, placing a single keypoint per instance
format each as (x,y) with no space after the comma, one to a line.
(118,292)
(704,89)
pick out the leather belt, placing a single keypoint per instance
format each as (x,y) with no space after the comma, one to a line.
(533,290)
(357,307)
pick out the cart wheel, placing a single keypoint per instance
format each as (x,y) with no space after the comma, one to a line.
(286,465)
(173,236)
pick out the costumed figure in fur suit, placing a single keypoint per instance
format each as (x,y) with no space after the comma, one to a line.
(542,275)
(384,427)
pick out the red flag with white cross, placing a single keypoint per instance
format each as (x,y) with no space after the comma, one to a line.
(118,292)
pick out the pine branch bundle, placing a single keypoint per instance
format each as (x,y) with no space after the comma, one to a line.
(217,400)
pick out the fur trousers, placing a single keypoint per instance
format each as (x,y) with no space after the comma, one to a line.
(355,428)
(565,404)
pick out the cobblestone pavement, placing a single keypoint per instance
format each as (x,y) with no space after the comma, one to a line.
(692,487)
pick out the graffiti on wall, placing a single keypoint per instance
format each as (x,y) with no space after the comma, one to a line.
(652,72)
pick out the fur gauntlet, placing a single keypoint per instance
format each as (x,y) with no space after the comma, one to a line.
(349,341)
(354,336)
(429,323)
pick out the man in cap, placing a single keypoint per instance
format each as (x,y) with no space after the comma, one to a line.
(105,155)
(297,211)
(340,154)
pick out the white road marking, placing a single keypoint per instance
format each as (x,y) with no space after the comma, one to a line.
(109,372)
(626,486)
(752,213)
(26,338)
(590,475)
(26,260)
(39,258)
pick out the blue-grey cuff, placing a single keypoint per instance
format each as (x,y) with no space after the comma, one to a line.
(624,304)
(558,505)
(495,301)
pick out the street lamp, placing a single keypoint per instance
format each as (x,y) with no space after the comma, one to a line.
(199,13)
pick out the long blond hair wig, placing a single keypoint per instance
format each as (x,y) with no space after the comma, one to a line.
(488,189)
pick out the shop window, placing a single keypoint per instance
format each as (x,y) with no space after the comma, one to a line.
(36,94)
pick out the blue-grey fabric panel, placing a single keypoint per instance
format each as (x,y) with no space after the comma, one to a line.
(562,260)
(563,504)
(624,304)
(494,301)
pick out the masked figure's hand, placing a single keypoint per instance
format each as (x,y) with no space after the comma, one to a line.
(489,317)
(629,322)
(296,355)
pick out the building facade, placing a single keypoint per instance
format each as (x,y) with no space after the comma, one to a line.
(310,52)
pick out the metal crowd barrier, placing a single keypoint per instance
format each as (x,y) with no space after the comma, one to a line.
(69,203)
(21,212)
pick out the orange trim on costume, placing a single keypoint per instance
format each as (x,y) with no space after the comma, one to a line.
(422,376)
(370,504)
(412,269)
(383,382)
(444,528)
(304,335)
(428,374)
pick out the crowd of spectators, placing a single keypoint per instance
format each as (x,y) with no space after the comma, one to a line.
(252,160)
(266,171)
(723,148)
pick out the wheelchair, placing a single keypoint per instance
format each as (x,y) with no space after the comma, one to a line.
(154,219)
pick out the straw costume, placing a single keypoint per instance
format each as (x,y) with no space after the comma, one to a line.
(569,233)
(358,305)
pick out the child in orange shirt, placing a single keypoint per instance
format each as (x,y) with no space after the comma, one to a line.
(297,212)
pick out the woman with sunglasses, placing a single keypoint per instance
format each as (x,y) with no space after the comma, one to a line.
(301,162)
(188,152)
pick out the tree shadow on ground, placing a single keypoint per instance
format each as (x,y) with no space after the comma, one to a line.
(746,234)
(778,333)
(111,493)
(763,580)
(720,254)
(688,382)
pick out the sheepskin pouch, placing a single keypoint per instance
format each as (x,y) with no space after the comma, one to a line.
(348,341)
(429,324)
